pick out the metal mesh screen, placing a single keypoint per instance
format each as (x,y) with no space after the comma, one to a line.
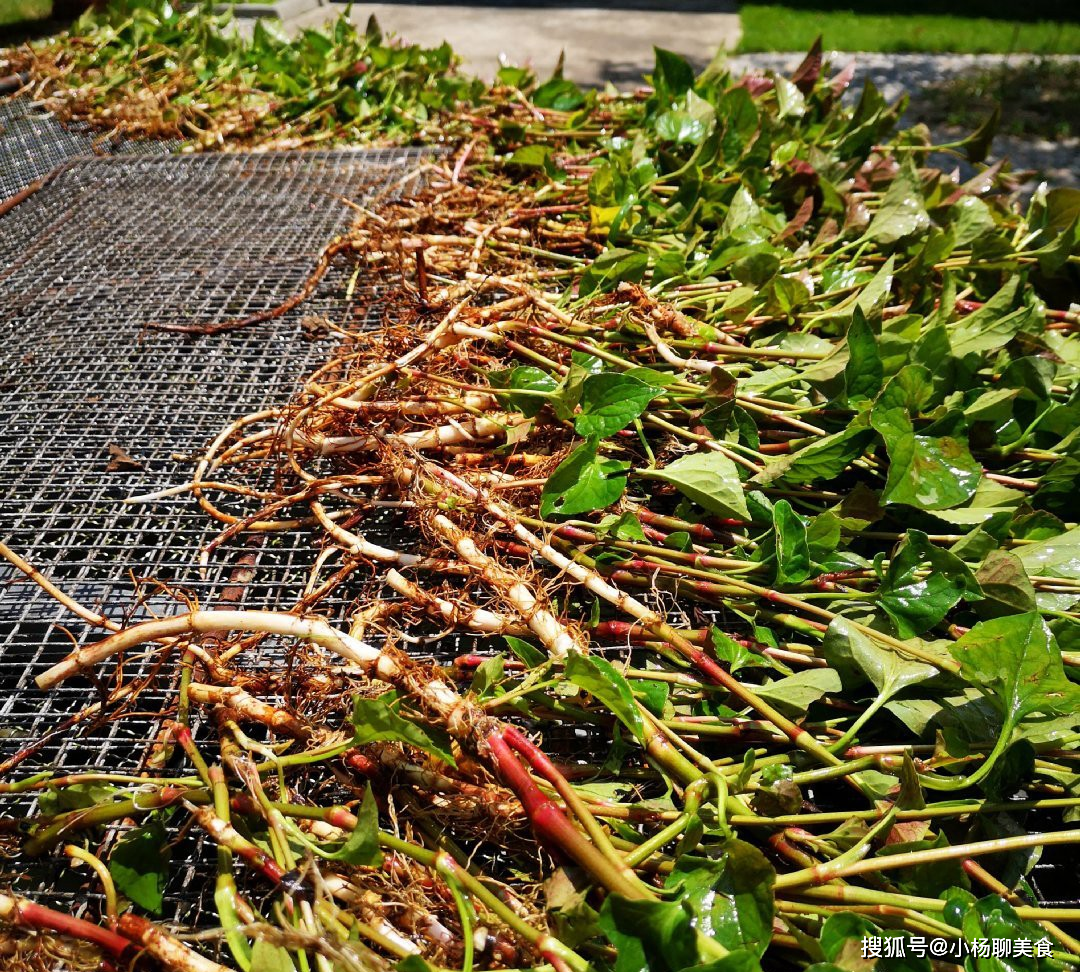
(112,244)
(33,142)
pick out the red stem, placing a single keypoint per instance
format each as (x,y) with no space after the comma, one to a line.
(552,827)
(31,915)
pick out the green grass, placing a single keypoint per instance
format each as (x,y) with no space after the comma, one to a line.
(16,11)
(782,27)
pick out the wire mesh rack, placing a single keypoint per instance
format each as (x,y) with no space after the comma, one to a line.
(33,142)
(108,246)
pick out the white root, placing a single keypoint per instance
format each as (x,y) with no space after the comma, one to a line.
(475,619)
(345,892)
(666,352)
(171,953)
(551,632)
(243,704)
(453,433)
(314,630)
(461,718)
(589,579)
(470,400)
(357,545)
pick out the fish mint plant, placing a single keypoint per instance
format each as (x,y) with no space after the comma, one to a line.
(737,442)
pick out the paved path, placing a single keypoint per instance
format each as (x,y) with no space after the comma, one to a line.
(600,44)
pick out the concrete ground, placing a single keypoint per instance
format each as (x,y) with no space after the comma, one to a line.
(600,44)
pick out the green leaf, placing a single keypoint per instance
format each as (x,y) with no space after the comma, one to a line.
(966,714)
(267,957)
(488,674)
(977,144)
(613,267)
(926,878)
(870,299)
(654,696)
(992,325)
(533,157)
(361,848)
(1014,769)
(1055,556)
(743,211)
(902,213)
(825,458)
(374,720)
(925,471)
(991,500)
(560,94)
(1054,255)
(532,657)
(976,337)
(789,98)
(626,526)
(711,480)
(523,378)
(564,400)
(139,865)
(970,218)
(847,649)
(611,401)
(731,898)
(412,963)
(601,680)
(796,693)
(923,583)
(649,936)
(864,373)
(672,74)
(78,796)
(688,125)
(792,549)
(930,472)
(740,118)
(657,379)
(730,653)
(583,482)
(993,918)
(842,938)
(1016,660)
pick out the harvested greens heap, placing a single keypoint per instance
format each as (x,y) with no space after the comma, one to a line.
(745,446)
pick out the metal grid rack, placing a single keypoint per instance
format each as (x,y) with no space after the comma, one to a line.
(33,142)
(110,245)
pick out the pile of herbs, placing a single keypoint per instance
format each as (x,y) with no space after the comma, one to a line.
(152,70)
(744,446)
